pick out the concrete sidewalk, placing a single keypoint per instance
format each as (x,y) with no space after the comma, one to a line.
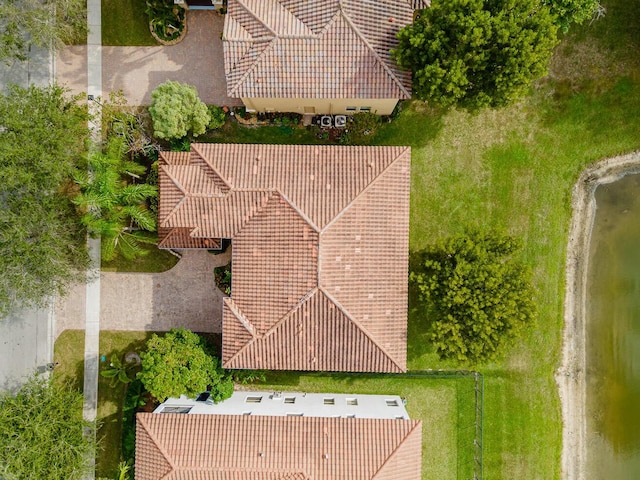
(197,60)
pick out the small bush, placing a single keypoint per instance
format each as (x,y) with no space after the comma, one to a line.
(166,19)
(218,117)
(362,129)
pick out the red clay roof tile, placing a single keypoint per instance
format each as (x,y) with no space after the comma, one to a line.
(216,447)
(320,250)
(315,48)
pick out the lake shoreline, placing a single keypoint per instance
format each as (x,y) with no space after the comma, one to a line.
(570,377)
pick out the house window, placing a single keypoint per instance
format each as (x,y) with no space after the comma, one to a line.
(294,414)
(350,109)
(253,399)
(289,399)
(329,401)
(365,109)
(399,417)
(352,401)
(246,413)
(392,403)
(176,409)
(351,415)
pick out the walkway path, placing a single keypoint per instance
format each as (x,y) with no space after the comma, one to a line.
(197,60)
(185,296)
(92,305)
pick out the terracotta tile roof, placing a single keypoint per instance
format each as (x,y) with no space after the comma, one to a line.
(315,48)
(225,447)
(320,250)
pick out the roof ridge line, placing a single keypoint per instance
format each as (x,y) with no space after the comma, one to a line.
(173,178)
(194,149)
(332,21)
(315,227)
(284,318)
(380,60)
(365,189)
(395,450)
(254,65)
(361,327)
(240,316)
(253,14)
(162,451)
(173,211)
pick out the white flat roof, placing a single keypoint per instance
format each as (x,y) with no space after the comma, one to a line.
(293,403)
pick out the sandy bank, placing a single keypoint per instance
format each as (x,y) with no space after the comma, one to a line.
(570,376)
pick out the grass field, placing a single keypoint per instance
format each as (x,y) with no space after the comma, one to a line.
(125,23)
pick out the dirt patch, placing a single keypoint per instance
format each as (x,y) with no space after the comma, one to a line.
(570,377)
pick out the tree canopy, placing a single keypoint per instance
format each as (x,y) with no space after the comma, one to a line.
(43,23)
(476,293)
(572,11)
(177,111)
(42,432)
(42,243)
(112,205)
(181,363)
(477,53)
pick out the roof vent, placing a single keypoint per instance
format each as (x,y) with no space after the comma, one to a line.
(325,456)
(391,19)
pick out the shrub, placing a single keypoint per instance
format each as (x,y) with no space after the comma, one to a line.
(218,117)
(181,363)
(176,111)
(362,129)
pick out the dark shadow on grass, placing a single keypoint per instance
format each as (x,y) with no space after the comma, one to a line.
(420,324)
(415,125)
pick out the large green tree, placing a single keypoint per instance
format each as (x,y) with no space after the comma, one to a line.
(177,111)
(477,53)
(113,206)
(181,363)
(477,295)
(43,23)
(42,432)
(42,243)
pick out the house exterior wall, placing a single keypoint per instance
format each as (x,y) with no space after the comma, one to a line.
(316,106)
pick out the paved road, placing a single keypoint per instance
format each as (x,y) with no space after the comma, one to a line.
(25,345)
(36,70)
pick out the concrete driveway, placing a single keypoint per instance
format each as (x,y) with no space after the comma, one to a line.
(185,296)
(197,60)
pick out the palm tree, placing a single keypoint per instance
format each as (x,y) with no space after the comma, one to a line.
(114,208)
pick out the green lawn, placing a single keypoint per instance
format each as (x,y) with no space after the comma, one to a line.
(513,170)
(154,261)
(124,22)
(111,399)
(68,352)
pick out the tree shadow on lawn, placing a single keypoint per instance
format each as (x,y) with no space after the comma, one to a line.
(420,349)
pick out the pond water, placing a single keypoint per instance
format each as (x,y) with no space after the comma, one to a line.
(613,334)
